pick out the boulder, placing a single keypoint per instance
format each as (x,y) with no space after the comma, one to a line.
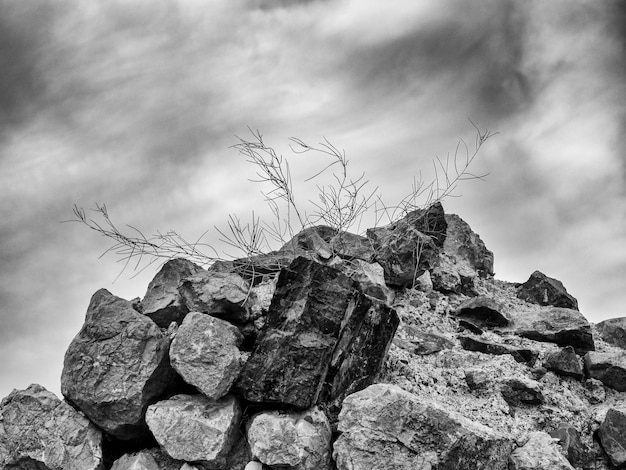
(612,435)
(483,312)
(205,352)
(39,431)
(539,453)
(564,362)
(139,461)
(568,437)
(371,278)
(522,355)
(162,302)
(299,441)
(613,331)
(423,344)
(194,428)
(543,290)
(608,368)
(467,248)
(476,379)
(116,366)
(595,391)
(518,391)
(384,427)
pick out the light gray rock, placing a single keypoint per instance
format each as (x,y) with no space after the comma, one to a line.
(564,362)
(205,353)
(370,276)
(609,368)
(541,452)
(299,441)
(38,429)
(140,461)
(613,331)
(194,428)
(612,435)
(253,465)
(466,248)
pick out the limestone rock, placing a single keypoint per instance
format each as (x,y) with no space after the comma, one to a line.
(299,441)
(483,312)
(194,428)
(518,391)
(139,461)
(162,302)
(470,343)
(116,366)
(609,368)
(613,331)
(384,427)
(612,435)
(544,290)
(564,362)
(38,429)
(539,453)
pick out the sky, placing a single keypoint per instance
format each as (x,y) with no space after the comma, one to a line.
(137,104)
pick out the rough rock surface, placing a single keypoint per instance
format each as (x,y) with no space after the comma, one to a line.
(483,312)
(299,441)
(371,278)
(116,366)
(466,247)
(564,362)
(568,437)
(424,343)
(385,427)
(613,331)
(37,428)
(162,302)
(612,435)
(139,461)
(519,354)
(205,353)
(607,367)
(194,428)
(544,290)
(518,391)
(539,453)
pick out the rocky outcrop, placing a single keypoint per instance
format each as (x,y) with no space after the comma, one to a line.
(37,430)
(116,366)
(609,368)
(564,362)
(483,312)
(539,453)
(613,331)
(612,435)
(544,290)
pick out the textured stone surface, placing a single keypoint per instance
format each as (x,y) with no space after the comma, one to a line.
(139,461)
(564,362)
(613,331)
(384,427)
(371,278)
(466,247)
(609,368)
(162,302)
(299,441)
(483,312)
(544,290)
(205,353)
(424,344)
(518,391)
(194,428)
(470,343)
(539,453)
(38,429)
(116,366)
(568,437)
(612,435)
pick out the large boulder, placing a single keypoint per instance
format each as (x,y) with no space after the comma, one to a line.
(612,435)
(609,368)
(518,391)
(299,441)
(613,331)
(205,352)
(466,247)
(194,428)
(539,453)
(39,431)
(483,312)
(385,427)
(578,454)
(544,290)
(116,366)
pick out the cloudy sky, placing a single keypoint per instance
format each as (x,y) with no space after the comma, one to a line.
(136,104)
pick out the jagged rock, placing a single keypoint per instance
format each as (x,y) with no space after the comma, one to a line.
(483,312)
(564,362)
(543,290)
(449,277)
(116,366)
(563,326)
(519,354)
(466,247)
(205,352)
(469,326)
(422,344)
(594,391)
(384,427)
(371,278)
(609,368)
(162,302)
(252,465)
(571,444)
(39,431)
(186,466)
(539,453)
(139,461)
(194,428)
(424,282)
(613,331)
(476,379)
(518,391)
(612,435)
(299,441)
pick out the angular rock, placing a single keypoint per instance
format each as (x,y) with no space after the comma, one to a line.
(162,302)
(543,290)
(578,455)
(519,354)
(116,366)
(594,391)
(194,428)
(384,427)
(518,391)
(608,368)
(483,311)
(469,326)
(139,461)
(205,352)
(39,431)
(449,277)
(564,362)
(299,441)
(476,379)
(613,331)
(371,278)
(466,247)
(612,435)
(539,453)
(423,344)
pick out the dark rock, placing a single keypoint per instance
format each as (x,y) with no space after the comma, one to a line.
(609,368)
(423,344)
(162,302)
(613,331)
(543,290)
(594,391)
(39,431)
(116,366)
(518,391)
(466,247)
(612,435)
(520,355)
(564,362)
(539,453)
(569,439)
(469,326)
(483,312)
(476,379)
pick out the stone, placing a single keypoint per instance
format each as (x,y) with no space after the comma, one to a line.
(543,290)
(483,312)
(205,352)
(522,355)
(476,379)
(37,430)
(139,461)
(384,427)
(612,435)
(467,248)
(608,368)
(564,362)
(518,391)
(423,344)
(299,441)
(371,278)
(594,391)
(116,366)
(449,277)
(194,428)
(578,455)
(469,326)
(539,453)
(253,465)
(162,302)
(613,331)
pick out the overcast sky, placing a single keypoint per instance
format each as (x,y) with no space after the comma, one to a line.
(136,103)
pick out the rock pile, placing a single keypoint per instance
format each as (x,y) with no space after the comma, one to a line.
(394,350)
